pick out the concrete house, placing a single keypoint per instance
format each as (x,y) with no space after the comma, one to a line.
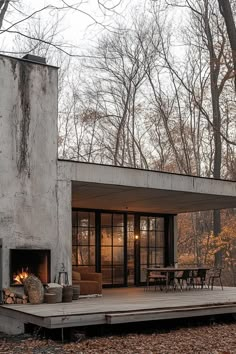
(111,219)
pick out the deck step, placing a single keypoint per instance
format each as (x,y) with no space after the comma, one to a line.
(164,314)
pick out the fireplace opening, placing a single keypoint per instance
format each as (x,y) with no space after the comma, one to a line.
(24,262)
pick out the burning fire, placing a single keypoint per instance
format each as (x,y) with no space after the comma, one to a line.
(20,277)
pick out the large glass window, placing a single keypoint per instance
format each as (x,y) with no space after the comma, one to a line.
(152,243)
(122,256)
(130,250)
(112,248)
(83,239)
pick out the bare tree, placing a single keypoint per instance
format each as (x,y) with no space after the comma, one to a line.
(119,75)
(207,78)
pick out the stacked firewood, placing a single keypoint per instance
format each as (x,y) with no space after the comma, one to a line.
(10,296)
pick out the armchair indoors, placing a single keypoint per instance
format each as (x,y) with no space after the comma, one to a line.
(89,282)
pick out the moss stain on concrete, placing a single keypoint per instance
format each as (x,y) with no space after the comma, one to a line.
(23,164)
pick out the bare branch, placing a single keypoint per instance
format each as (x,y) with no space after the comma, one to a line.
(3,9)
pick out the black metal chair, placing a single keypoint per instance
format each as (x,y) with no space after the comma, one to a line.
(171,281)
(157,279)
(214,273)
(199,278)
(182,277)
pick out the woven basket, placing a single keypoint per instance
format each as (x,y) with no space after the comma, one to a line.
(50,298)
(67,293)
(76,292)
(57,291)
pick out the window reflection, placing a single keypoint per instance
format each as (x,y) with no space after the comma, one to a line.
(118,255)
(143,238)
(152,243)
(112,247)
(106,255)
(83,238)
(106,236)
(130,250)
(143,223)
(118,236)
(152,223)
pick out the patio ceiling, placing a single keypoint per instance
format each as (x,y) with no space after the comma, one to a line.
(115,188)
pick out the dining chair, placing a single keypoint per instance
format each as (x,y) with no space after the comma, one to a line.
(183,277)
(157,279)
(199,277)
(214,273)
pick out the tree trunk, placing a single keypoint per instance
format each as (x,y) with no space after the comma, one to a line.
(3,9)
(215,100)
(226,11)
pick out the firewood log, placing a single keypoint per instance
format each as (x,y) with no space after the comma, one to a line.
(19,301)
(9,300)
(20,296)
(7,291)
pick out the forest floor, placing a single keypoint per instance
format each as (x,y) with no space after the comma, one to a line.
(206,339)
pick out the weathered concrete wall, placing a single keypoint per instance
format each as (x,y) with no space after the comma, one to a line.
(11,326)
(28,158)
(64,254)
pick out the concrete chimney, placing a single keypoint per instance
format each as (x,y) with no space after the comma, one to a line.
(34,58)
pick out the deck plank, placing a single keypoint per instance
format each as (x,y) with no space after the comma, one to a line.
(125,304)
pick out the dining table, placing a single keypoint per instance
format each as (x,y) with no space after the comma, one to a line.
(167,271)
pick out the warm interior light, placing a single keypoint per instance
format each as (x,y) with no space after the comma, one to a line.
(136,237)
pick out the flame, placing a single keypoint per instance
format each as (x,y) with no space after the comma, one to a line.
(20,277)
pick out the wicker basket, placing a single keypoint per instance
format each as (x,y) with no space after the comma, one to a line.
(50,298)
(67,293)
(57,291)
(76,292)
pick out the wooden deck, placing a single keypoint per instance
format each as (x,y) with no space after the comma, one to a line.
(126,305)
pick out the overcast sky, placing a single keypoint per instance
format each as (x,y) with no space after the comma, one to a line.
(76,27)
(80,28)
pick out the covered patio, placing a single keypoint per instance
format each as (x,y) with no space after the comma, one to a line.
(130,215)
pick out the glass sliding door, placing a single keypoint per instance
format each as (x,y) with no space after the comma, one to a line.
(152,243)
(83,239)
(130,250)
(112,248)
(120,245)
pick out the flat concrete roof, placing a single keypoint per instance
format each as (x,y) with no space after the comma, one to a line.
(119,188)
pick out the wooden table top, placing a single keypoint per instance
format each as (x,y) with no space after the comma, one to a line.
(172,269)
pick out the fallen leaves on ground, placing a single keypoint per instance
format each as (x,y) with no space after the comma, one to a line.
(214,339)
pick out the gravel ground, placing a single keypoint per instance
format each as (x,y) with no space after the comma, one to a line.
(211,339)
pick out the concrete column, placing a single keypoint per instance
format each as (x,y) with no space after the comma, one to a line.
(175,227)
(63,249)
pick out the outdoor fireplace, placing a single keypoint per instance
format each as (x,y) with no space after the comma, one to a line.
(24,262)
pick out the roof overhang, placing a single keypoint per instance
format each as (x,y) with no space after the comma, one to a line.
(118,188)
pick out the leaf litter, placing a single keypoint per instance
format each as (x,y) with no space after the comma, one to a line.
(211,339)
